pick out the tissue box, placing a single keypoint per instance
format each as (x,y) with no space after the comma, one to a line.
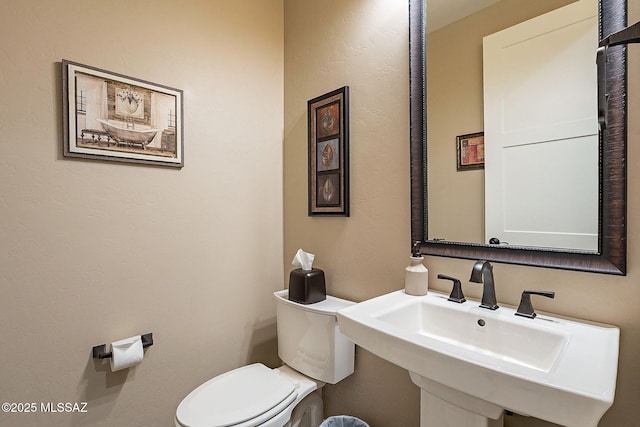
(307,286)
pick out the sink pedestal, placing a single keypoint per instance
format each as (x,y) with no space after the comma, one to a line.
(441,406)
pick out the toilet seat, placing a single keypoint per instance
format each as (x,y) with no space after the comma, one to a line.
(246,396)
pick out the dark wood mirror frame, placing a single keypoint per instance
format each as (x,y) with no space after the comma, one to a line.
(611,255)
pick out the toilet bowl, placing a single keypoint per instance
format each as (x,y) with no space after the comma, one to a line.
(314,352)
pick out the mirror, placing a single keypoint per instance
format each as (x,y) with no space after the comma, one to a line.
(610,255)
(526,77)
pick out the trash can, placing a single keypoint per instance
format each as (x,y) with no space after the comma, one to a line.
(343,421)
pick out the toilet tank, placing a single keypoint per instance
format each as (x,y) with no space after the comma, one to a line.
(309,340)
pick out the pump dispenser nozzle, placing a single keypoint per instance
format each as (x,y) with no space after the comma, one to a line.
(415,250)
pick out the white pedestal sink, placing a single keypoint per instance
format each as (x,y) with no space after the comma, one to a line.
(472,363)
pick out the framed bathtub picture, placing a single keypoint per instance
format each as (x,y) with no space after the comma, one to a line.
(109,116)
(328,129)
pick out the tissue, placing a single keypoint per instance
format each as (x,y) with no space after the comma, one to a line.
(126,353)
(306,284)
(303,260)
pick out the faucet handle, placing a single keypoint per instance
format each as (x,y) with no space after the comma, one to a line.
(525,309)
(456,292)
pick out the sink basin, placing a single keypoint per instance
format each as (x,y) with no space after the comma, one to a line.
(556,369)
(530,344)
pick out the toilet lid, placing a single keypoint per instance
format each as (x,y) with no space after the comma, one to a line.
(250,392)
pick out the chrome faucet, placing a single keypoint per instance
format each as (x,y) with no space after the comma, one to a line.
(483,273)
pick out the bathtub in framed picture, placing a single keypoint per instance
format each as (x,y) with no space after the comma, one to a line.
(328,121)
(109,116)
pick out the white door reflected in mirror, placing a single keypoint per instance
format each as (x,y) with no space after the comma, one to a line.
(541,130)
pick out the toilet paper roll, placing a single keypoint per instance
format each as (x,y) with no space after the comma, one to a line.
(126,353)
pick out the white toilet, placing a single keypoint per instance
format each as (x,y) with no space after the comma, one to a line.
(314,352)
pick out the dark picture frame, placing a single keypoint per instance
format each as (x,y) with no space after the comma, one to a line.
(328,126)
(470,151)
(110,116)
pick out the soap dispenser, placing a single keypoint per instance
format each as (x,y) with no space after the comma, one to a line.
(416,276)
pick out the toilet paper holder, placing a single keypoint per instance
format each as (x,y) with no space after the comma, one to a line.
(100,351)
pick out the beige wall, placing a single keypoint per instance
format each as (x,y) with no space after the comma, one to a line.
(317,60)
(94,251)
(362,44)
